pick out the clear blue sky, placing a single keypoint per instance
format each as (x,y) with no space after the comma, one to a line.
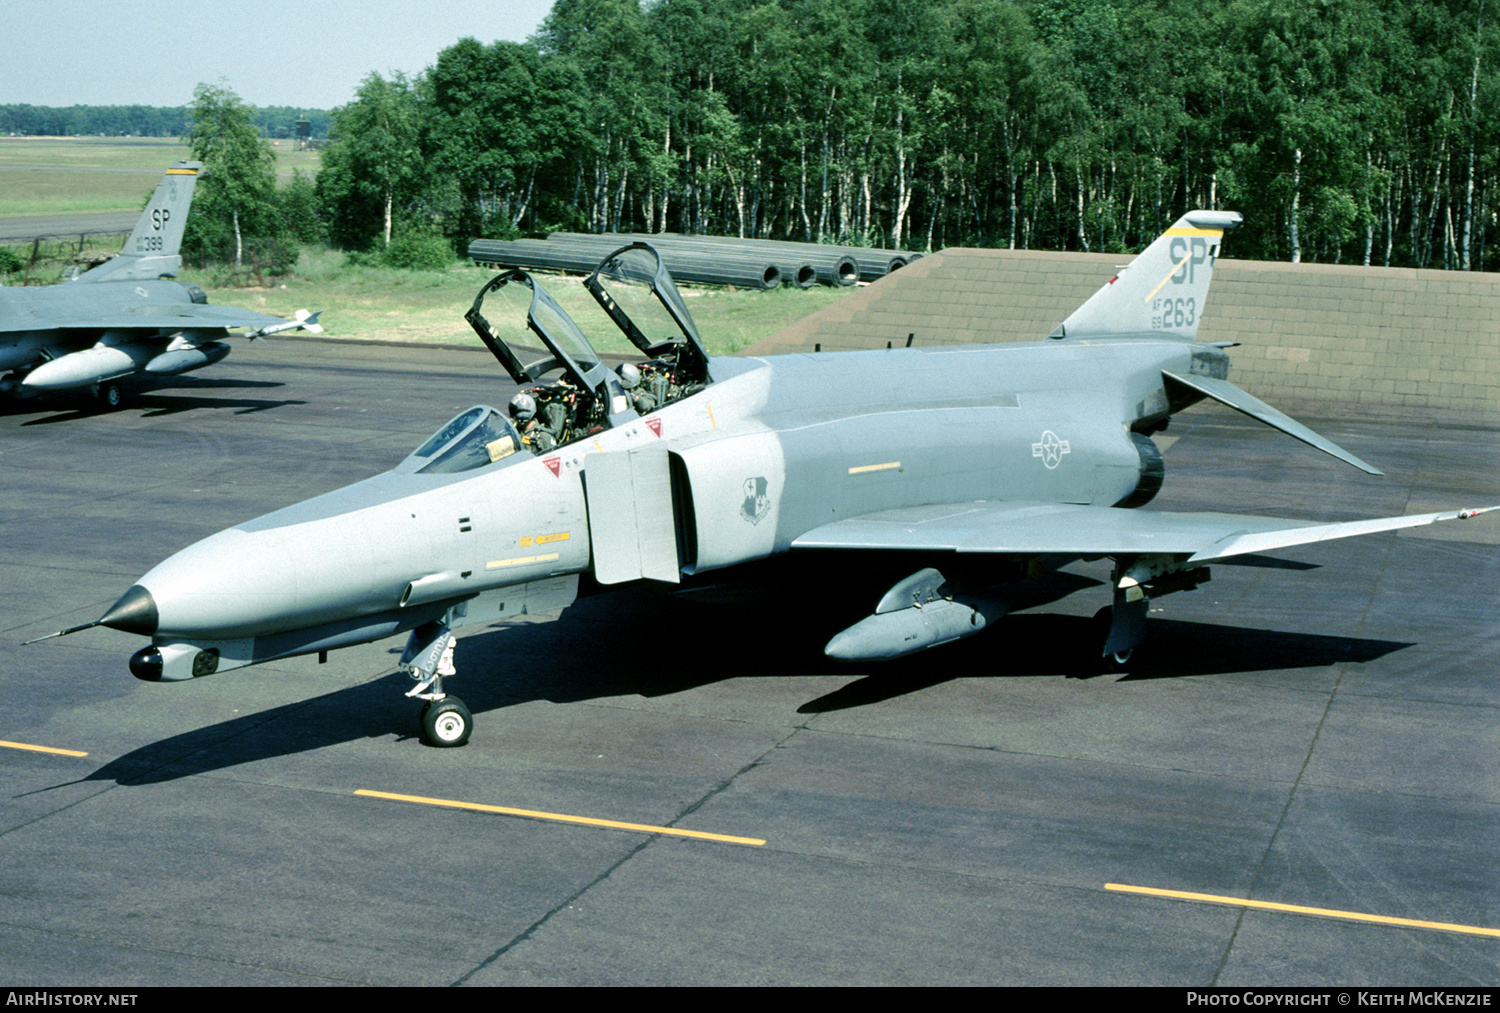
(308,53)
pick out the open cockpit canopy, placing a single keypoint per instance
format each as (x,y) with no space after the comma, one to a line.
(638,295)
(565,346)
(637,291)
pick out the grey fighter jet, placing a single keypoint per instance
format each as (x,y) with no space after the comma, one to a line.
(124,316)
(972,468)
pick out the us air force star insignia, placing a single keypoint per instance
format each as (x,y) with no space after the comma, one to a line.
(1050,449)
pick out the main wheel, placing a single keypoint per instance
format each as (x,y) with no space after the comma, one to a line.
(110,396)
(1116,661)
(447,722)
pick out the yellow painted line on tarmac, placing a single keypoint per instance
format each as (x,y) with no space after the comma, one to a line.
(1321,912)
(41,749)
(561,817)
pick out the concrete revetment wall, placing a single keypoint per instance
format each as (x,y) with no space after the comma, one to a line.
(1309,333)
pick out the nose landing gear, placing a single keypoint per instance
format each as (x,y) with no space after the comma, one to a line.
(445,720)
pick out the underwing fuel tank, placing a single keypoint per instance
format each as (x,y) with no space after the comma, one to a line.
(185,360)
(78,369)
(914,615)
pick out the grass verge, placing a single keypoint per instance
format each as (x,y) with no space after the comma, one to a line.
(386,304)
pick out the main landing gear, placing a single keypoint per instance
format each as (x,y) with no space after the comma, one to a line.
(1120,628)
(1109,661)
(110,396)
(428,657)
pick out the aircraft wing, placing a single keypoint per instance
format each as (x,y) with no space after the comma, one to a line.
(1075,530)
(172,317)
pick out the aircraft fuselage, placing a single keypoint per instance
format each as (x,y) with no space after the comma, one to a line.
(776,447)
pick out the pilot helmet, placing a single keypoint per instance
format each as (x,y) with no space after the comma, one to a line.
(523,407)
(630,376)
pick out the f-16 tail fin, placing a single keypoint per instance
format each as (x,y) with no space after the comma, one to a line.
(152,249)
(1162,292)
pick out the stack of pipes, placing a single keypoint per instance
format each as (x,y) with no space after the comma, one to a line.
(704,260)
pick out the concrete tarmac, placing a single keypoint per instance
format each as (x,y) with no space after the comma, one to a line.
(1318,730)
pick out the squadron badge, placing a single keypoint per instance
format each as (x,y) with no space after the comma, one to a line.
(757,504)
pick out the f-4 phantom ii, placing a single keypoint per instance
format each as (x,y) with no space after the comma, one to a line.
(124,316)
(982,464)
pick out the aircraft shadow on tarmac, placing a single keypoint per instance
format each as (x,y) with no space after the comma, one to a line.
(635,646)
(154,403)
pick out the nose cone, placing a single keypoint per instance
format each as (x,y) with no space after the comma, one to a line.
(231,584)
(248,582)
(135,612)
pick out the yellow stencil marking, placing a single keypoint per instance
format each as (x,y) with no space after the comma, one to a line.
(562,818)
(887,466)
(1322,912)
(529,541)
(495,564)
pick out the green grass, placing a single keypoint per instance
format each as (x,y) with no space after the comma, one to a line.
(57,192)
(143,153)
(67,175)
(375,303)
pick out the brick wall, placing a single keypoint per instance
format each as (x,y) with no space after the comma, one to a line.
(1309,333)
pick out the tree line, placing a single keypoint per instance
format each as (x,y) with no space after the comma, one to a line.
(278,122)
(1353,131)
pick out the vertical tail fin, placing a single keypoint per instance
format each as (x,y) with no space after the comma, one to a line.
(1162,293)
(152,249)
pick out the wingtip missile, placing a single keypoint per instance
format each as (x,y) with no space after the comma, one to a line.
(302,320)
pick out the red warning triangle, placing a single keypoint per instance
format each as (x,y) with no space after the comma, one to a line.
(654,425)
(554,464)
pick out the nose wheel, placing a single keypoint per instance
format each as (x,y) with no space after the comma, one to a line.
(446,722)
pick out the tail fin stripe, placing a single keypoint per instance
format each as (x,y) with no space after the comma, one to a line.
(1167,277)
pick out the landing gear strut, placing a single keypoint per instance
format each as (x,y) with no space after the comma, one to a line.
(1117,660)
(428,657)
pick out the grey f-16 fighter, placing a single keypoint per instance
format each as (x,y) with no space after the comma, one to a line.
(971,468)
(123,316)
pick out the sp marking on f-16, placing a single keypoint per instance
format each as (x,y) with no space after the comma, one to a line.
(925,462)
